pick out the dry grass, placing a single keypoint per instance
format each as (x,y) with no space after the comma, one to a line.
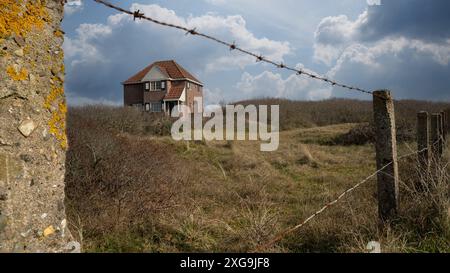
(148,193)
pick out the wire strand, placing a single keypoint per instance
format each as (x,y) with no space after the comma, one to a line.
(284,233)
(260,58)
(232,46)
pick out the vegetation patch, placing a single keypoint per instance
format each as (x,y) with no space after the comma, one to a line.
(131,188)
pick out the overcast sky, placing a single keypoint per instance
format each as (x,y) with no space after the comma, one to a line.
(401,45)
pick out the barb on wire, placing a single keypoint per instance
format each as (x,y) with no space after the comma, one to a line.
(284,233)
(137,14)
(233,46)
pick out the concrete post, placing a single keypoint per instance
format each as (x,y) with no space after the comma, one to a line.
(386,154)
(444,125)
(447,119)
(441,134)
(435,135)
(32,127)
(423,142)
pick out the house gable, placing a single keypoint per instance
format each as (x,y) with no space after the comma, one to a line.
(170,70)
(155,74)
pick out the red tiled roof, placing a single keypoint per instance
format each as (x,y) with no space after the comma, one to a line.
(170,68)
(175,91)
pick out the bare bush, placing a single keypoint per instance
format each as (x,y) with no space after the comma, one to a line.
(123,119)
(360,135)
(365,133)
(116,182)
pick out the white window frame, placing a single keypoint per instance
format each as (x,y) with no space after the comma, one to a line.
(147,86)
(154,86)
(159,106)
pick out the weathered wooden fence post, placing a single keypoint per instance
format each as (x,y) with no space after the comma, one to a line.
(435,136)
(423,142)
(32,127)
(386,154)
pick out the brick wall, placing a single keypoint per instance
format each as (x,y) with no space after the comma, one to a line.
(194,91)
(133,94)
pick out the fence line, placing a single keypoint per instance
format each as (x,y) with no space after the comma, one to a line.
(233,46)
(385,111)
(283,234)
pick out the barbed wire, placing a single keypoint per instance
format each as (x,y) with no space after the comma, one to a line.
(232,46)
(284,233)
(260,58)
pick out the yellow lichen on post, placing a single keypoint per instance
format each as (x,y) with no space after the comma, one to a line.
(15,21)
(57,124)
(54,102)
(58,33)
(17,75)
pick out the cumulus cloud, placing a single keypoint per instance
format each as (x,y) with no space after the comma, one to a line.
(333,34)
(213,96)
(101,55)
(83,49)
(73,6)
(399,44)
(231,27)
(269,84)
(413,19)
(373,2)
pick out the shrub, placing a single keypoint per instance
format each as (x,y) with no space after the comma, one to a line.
(115,182)
(123,119)
(365,133)
(360,135)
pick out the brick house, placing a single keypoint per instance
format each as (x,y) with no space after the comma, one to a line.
(162,86)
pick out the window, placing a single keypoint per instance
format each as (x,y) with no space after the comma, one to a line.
(147,86)
(156,86)
(188,85)
(147,107)
(163,85)
(156,107)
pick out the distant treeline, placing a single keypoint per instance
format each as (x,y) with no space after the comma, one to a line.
(299,114)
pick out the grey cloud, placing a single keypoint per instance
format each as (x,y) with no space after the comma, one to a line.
(402,45)
(415,19)
(408,74)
